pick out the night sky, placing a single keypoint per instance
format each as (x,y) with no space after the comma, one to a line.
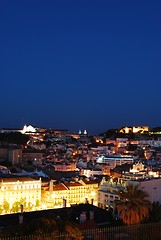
(77,64)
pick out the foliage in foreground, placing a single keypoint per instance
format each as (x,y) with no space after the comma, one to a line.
(43,226)
(134,206)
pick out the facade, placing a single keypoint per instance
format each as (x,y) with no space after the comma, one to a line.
(115,160)
(135,129)
(11,153)
(106,169)
(31,155)
(152,186)
(14,190)
(137,167)
(15,155)
(108,193)
(65,167)
(3,153)
(152,143)
(9,130)
(67,194)
(90,172)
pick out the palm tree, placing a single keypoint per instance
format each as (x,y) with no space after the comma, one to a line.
(134,206)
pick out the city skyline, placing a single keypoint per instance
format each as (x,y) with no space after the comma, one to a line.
(80,65)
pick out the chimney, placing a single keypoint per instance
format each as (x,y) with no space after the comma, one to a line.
(51,185)
(21,208)
(21,214)
(92,200)
(64,203)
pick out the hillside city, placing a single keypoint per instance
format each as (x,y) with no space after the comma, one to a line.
(51,169)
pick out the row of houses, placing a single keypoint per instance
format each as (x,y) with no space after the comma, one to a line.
(16,154)
(38,194)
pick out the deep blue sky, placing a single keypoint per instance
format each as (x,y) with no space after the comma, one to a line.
(77,64)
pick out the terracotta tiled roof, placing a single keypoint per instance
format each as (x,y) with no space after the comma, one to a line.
(91,182)
(59,187)
(20,179)
(73,184)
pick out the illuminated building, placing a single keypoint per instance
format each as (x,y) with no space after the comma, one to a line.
(90,172)
(28,129)
(106,169)
(108,193)
(135,129)
(65,167)
(115,160)
(72,192)
(137,167)
(15,189)
(31,155)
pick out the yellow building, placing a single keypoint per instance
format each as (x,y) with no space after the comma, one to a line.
(13,190)
(66,194)
(134,129)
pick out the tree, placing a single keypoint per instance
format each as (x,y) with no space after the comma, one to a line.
(68,229)
(14,137)
(29,207)
(45,225)
(73,232)
(38,204)
(15,207)
(1,209)
(6,206)
(134,206)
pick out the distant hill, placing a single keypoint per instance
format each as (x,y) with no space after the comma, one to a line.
(114,133)
(13,137)
(155,129)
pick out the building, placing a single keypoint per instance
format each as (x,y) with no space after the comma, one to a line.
(65,167)
(150,185)
(115,160)
(151,142)
(11,153)
(69,193)
(31,155)
(134,129)
(9,130)
(137,167)
(14,190)
(90,172)
(108,193)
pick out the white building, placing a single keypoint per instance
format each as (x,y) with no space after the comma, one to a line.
(15,189)
(152,143)
(108,193)
(115,160)
(90,172)
(152,186)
